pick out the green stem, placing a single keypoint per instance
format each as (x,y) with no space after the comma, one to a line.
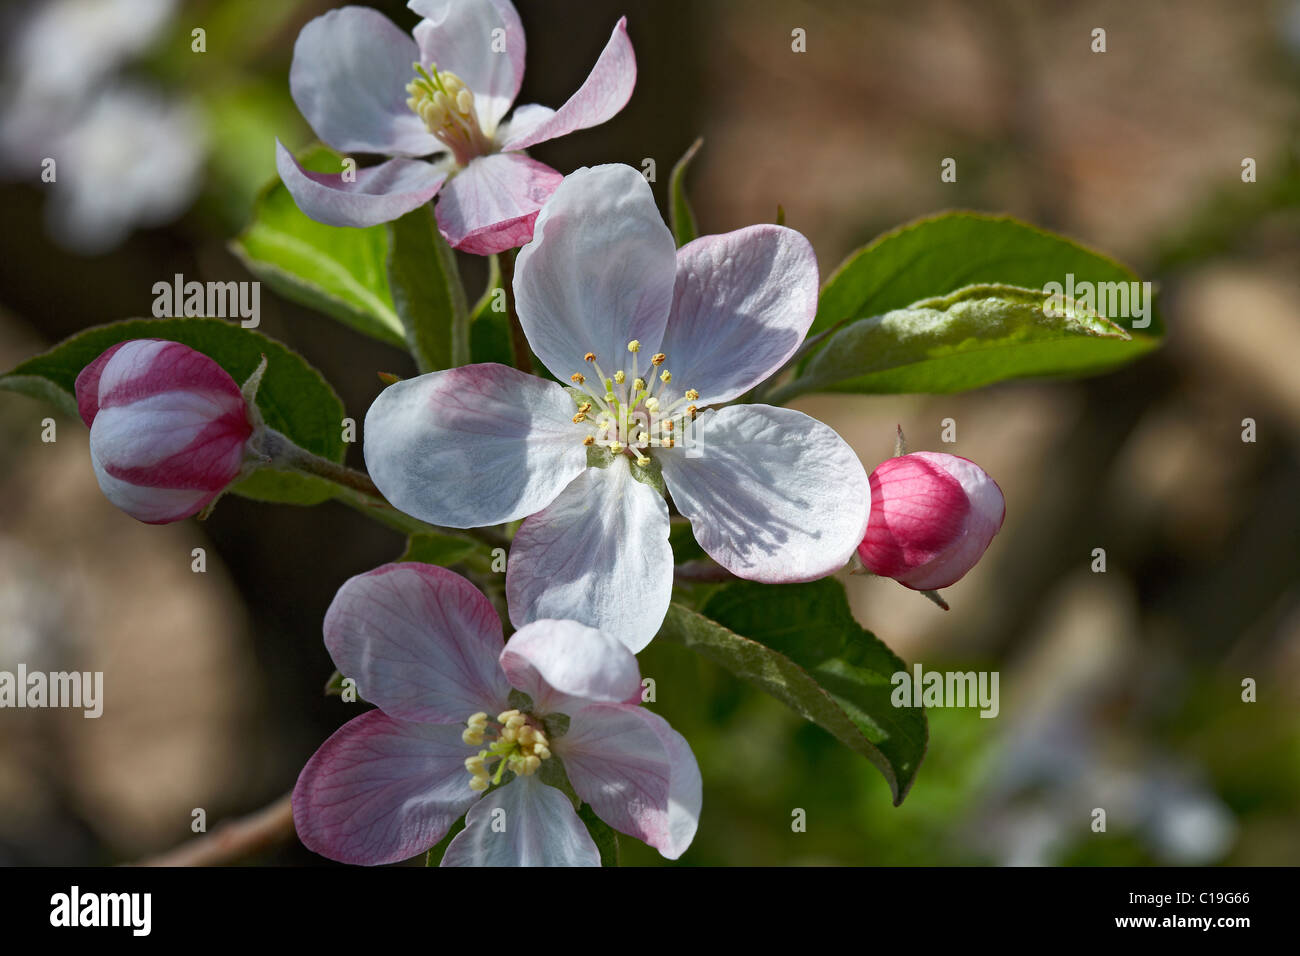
(519,341)
(357,490)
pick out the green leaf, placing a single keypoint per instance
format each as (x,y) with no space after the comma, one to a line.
(680,215)
(439,549)
(293,398)
(943,253)
(335,270)
(605,836)
(970,338)
(801,644)
(427,292)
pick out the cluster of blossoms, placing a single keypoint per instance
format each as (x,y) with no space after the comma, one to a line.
(657,344)
(437,103)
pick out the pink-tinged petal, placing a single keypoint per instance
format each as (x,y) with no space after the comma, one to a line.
(461,37)
(638,774)
(382,790)
(491,204)
(603,93)
(378,194)
(421,642)
(772,494)
(473,446)
(986,511)
(151,505)
(742,305)
(918,510)
(564,666)
(598,555)
(598,273)
(87,386)
(142,368)
(523,121)
(524,823)
(349,75)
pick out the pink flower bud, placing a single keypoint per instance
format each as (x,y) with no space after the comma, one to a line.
(167,428)
(932,517)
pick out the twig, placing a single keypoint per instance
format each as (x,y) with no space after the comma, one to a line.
(233,840)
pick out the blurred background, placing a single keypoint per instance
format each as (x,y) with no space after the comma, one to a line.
(1119,690)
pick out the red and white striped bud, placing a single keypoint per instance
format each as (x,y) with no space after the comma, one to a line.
(168,428)
(932,518)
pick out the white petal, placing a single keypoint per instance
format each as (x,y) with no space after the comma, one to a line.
(524,823)
(638,774)
(482,42)
(742,305)
(473,446)
(421,642)
(772,494)
(598,555)
(564,666)
(598,273)
(349,75)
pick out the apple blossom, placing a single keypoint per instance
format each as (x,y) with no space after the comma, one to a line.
(365,86)
(932,517)
(169,428)
(449,735)
(650,337)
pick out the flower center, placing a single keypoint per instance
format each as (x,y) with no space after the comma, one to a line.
(446,105)
(517,744)
(631,411)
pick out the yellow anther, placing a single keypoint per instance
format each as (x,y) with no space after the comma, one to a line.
(542,751)
(589,440)
(474,764)
(692,411)
(478,784)
(465,102)
(585,407)
(643,436)
(665,376)
(506,715)
(620,376)
(668,443)
(509,734)
(473,738)
(615,447)
(658,358)
(577,377)
(530,765)
(638,384)
(642,460)
(516,720)
(692,394)
(589,357)
(634,346)
(579,418)
(479,719)
(652,404)
(525,735)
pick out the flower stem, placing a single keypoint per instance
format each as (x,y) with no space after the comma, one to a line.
(523,352)
(357,490)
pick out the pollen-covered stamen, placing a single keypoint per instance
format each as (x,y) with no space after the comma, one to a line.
(446,106)
(519,745)
(637,411)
